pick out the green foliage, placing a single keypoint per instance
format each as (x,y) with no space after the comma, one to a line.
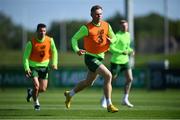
(151,24)
(149,31)
(71,28)
(174,29)
(114,21)
(10,34)
(54,32)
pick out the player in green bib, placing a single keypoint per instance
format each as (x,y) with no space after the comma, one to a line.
(121,51)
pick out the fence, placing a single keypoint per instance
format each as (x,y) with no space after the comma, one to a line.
(143,78)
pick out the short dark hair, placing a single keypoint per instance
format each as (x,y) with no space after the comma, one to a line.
(95,7)
(123,21)
(41,25)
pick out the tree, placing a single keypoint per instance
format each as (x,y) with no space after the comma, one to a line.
(10,35)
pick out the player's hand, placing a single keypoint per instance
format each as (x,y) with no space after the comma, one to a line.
(132,53)
(54,67)
(28,73)
(81,52)
(108,39)
(125,53)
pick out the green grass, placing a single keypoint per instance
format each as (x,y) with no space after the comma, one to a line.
(148,105)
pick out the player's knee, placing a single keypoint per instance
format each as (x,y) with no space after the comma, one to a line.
(43,89)
(108,76)
(36,88)
(129,80)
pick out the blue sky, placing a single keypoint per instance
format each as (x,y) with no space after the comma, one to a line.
(30,12)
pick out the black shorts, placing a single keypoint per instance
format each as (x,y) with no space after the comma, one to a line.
(40,72)
(117,68)
(92,62)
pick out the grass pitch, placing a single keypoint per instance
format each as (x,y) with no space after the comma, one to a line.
(86,105)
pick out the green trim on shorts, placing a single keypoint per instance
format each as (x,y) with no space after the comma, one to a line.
(92,62)
(40,72)
(117,68)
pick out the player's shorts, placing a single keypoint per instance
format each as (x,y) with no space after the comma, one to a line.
(40,72)
(117,68)
(92,62)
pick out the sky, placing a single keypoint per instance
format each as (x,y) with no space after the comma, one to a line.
(31,12)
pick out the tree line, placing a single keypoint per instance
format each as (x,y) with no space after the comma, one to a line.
(148,30)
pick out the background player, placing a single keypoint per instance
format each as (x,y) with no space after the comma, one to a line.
(120,61)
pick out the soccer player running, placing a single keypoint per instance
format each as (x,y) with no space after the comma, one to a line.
(97,36)
(37,55)
(121,51)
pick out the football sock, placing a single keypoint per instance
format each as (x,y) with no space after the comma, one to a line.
(36,102)
(72,93)
(109,102)
(126,97)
